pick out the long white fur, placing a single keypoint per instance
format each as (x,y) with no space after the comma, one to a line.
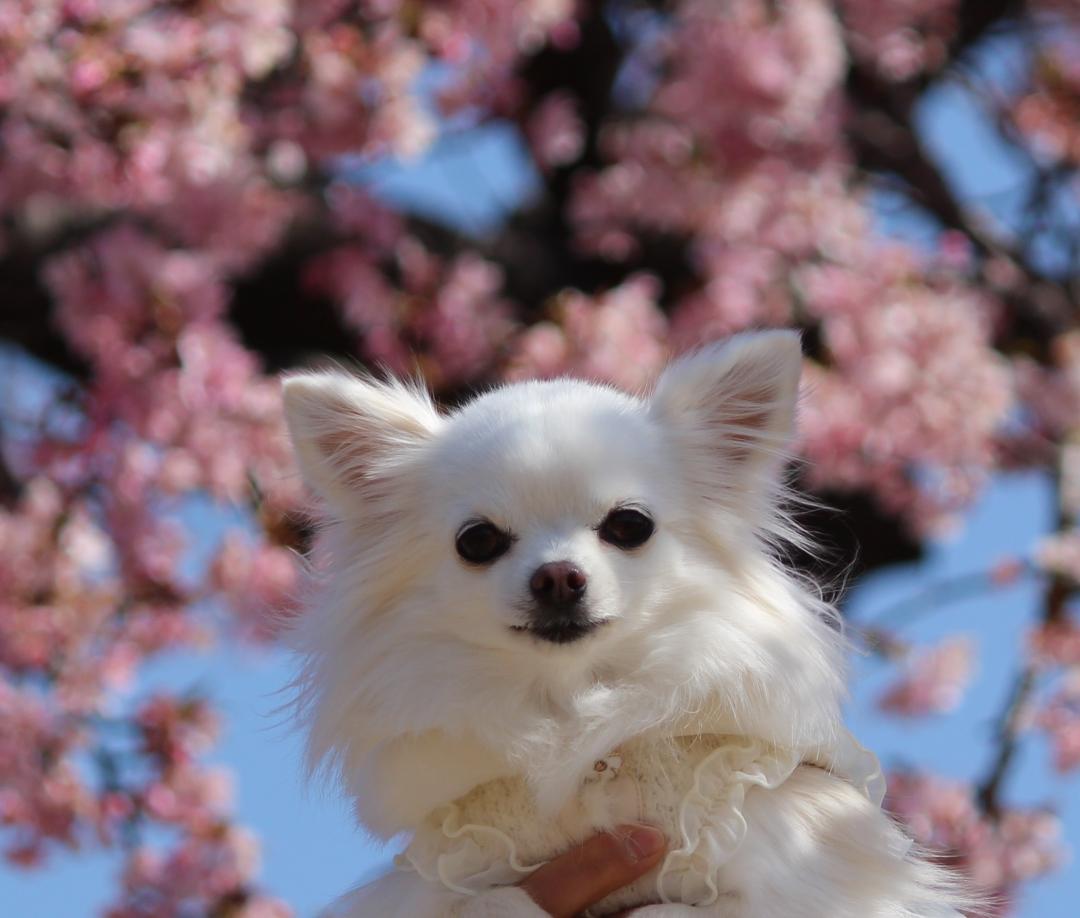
(415,687)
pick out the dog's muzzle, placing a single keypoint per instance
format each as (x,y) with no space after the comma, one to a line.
(558,613)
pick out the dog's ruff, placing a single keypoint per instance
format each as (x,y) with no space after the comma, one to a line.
(704,676)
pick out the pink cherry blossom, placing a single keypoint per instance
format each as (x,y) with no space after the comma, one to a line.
(258,580)
(1048,111)
(1060,718)
(617,338)
(1060,554)
(207,871)
(997,853)
(42,797)
(933,681)
(901,38)
(556,132)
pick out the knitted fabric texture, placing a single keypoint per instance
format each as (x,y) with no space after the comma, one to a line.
(693,788)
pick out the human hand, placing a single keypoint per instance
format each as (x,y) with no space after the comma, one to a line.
(568,884)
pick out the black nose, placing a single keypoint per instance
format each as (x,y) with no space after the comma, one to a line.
(558,583)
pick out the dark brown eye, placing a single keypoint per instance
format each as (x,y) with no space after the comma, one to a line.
(481,542)
(626,528)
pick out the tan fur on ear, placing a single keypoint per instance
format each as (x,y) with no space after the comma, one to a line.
(734,400)
(347,430)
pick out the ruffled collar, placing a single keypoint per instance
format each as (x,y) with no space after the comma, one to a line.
(471,856)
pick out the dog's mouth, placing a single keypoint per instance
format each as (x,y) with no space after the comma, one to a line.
(559,631)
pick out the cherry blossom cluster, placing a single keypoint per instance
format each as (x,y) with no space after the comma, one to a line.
(933,680)
(447,320)
(1060,718)
(206,874)
(211,868)
(1048,110)
(1055,654)
(998,854)
(591,337)
(901,39)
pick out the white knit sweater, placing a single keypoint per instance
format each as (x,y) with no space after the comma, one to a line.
(690,787)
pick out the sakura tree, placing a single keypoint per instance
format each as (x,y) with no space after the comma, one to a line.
(181,221)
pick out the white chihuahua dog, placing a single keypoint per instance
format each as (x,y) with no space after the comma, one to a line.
(558,609)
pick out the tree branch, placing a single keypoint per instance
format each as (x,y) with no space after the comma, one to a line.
(1011,720)
(1007,735)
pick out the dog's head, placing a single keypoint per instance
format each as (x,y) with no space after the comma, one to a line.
(544,514)
(550,537)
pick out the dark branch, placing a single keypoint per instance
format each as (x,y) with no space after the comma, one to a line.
(1055,596)
(1007,736)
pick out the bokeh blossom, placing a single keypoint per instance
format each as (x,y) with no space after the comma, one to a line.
(933,681)
(998,854)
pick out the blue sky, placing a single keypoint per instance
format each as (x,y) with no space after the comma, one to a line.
(311,852)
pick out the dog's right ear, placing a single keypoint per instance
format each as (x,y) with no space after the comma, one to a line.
(349,433)
(731,408)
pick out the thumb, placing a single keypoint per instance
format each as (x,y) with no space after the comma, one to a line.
(582,876)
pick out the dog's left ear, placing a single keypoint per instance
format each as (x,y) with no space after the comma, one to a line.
(731,406)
